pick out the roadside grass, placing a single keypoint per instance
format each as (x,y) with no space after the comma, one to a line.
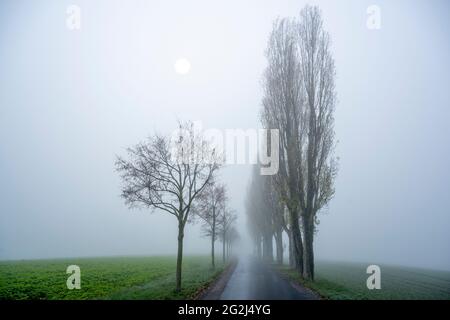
(339,281)
(105,278)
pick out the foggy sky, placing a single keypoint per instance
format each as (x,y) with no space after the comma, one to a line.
(70,101)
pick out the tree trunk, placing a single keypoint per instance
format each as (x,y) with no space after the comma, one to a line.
(291,250)
(267,248)
(279,245)
(258,247)
(213,238)
(308,230)
(212,252)
(297,242)
(179,255)
(223,248)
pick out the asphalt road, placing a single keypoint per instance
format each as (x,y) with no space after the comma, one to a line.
(253,280)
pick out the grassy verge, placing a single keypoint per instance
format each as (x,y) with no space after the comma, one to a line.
(348,281)
(105,278)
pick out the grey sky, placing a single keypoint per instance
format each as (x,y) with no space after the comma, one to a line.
(71,100)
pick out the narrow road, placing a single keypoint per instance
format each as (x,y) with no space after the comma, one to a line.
(253,280)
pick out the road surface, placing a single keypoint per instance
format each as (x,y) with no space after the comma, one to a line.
(253,280)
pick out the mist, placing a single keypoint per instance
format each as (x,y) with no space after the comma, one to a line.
(72,100)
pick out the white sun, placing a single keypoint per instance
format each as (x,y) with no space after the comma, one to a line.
(182,66)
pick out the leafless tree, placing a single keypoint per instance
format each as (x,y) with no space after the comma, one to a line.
(168,174)
(227,218)
(299,100)
(232,238)
(276,211)
(264,208)
(318,88)
(283,109)
(253,204)
(210,204)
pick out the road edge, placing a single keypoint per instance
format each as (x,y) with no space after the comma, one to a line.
(296,284)
(214,290)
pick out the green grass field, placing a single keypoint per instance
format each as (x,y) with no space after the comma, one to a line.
(348,281)
(154,278)
(105,278)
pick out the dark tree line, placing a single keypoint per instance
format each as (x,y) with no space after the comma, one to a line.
(299,100)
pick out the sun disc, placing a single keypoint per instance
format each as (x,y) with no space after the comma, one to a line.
(182,66)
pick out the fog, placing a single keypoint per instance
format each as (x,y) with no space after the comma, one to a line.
(71,100)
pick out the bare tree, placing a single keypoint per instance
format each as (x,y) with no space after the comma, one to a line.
(283,110)
(254,230)
(226,220)
(208,208)
(318,73)
(253,204)
(276,207)
(264,210)
(168,174)
(299,100)
(232,238)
